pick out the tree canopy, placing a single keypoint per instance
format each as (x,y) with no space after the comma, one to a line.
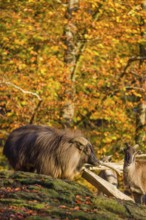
(107,72)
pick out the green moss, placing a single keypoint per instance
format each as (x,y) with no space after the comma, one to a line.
(111,205)
(15,202)
(38,218)
(52,198)
(136,211)
(36,206)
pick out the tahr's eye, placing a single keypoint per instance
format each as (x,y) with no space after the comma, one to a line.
(87,150)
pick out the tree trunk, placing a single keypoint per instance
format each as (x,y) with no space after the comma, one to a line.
(70,60)
(141,113)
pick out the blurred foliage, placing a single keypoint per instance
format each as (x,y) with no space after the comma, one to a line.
(3,161)
(32,59)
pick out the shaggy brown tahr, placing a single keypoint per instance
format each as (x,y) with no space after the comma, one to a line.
(134,174)
(46,150)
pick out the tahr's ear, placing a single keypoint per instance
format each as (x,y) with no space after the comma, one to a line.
(81,140)
(81,143)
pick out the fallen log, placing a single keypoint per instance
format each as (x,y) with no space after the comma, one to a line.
(104,186)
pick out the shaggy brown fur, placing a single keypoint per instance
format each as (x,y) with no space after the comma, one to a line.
(46,150)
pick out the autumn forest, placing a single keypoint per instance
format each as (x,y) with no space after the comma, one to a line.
(78,64)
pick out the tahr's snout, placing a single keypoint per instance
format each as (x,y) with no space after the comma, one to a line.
(93,160)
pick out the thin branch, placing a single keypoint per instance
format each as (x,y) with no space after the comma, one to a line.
(22,90)
(81,49)
(117,167)
(35,111)
(82,45)
(135,74)
(141,155)
(111,166)
(131,60)
(26,92)
(135,88)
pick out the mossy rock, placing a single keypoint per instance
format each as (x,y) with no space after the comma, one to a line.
(34,197)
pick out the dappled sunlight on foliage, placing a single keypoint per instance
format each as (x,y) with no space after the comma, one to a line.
(106,91)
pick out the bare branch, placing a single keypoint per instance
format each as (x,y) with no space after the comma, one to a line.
(111,166)
(141,155)
(81,48)
(131,60)
(83,44)
(26,92)
(117,167)
(22,90)
(135,88)
(35,111)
